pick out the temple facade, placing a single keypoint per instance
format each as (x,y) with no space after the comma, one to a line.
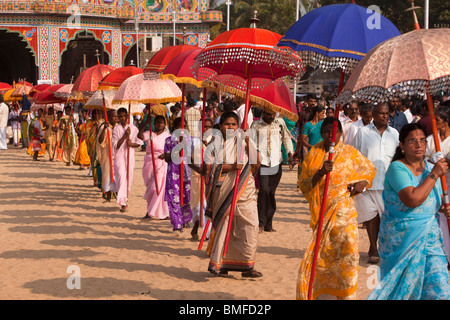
(54,40)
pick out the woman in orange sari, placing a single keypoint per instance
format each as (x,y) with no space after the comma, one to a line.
(336,270)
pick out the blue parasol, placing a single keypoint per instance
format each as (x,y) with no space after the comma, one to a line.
(338,35)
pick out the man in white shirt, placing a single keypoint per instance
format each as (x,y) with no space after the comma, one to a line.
(271,132)
(353,116)
(4,115)
(404,107)
(352,130)
(241,112)
(14,117)
(377,142)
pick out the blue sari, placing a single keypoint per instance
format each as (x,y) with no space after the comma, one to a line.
(411,247)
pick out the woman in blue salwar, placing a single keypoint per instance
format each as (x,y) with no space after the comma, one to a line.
(413,263)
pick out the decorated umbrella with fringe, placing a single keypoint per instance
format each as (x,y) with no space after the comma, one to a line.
(38,88)
(248,53)
(47,97)
(152,90)
(335,37)
(115,78)
(268,95)
(417,62)
(87,82)
(162,58)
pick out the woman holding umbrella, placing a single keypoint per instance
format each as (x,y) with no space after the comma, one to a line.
(336,272)
(411,247)
(221,180)
(156,206)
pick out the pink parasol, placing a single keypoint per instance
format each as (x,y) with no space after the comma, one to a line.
(153,90)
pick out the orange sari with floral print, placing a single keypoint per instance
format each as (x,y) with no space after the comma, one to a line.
(338,258)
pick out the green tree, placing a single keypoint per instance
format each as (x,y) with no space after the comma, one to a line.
(403,20)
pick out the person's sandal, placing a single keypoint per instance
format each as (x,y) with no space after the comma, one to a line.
(222,274)
(252,274)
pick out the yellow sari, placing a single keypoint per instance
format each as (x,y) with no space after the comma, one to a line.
(82,156)
(338,258)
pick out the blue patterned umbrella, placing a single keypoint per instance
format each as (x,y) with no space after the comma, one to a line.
(337,36)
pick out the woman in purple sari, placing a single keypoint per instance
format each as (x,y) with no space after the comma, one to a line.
(179,214)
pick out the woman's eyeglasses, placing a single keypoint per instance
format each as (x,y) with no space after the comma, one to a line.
(422,141)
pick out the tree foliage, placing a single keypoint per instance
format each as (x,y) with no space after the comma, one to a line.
(280,15)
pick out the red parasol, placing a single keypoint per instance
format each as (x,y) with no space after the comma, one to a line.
(38,88)
(268,95)
(247,52)
(5,86)
(47,97)
(115,78)
(87,82)
(162,58)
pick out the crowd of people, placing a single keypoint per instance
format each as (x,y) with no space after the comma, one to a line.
(385,176)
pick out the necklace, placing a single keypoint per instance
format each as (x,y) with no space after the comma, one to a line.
(414,168)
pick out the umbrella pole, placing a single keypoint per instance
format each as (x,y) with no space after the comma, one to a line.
(183,89)
(437,145)
(241,159)
(153,154)
(325,192)
(109,140)
(202,178)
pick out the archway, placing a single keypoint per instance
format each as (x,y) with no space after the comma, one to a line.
(131,56)
(81,53)
(16,58)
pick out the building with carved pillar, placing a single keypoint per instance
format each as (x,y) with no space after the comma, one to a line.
(56,39)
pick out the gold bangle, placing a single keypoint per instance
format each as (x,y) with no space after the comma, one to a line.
(432,176)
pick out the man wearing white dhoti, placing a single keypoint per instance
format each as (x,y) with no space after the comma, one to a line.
(377,142)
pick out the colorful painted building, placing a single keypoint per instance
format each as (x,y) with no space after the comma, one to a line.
(56,39)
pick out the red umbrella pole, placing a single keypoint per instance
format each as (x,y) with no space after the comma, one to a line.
(183,89)
(153,154)
(109,140)
(241,159)
(437,145)
(325,192)
(202,181)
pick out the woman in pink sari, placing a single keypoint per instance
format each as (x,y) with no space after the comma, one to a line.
(156,206)
(124,140)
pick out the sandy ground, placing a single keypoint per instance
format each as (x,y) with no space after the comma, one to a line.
(54,226)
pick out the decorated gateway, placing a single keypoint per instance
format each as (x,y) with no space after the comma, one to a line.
(54,40)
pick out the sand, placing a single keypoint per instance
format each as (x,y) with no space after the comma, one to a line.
(57,232)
